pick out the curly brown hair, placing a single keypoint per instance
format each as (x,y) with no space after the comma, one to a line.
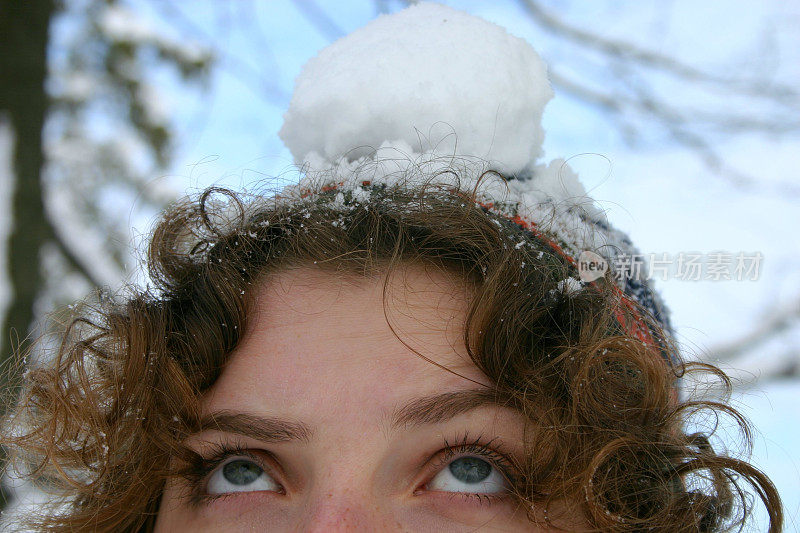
(101,424)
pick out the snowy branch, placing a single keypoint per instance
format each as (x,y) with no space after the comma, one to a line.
(74,261)
(264,86)
(777,321)
(651,59)
(757,370)
(680,123)
(743,357)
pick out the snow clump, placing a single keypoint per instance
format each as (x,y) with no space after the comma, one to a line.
(428,77)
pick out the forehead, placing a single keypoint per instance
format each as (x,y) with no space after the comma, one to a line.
(321,343)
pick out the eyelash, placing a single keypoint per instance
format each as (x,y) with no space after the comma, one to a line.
(201,466)
(480,447)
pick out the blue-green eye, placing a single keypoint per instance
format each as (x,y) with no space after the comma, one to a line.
(470,469)
(240,474)
(469,474)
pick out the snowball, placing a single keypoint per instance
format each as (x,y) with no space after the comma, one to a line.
(429,78)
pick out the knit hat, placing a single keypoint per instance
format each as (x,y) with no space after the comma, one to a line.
(431,95)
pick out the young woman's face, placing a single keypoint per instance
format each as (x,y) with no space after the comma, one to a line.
(326,421)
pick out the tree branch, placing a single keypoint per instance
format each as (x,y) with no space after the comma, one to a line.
(750,371)
(251,77)
(630,52)
(774,323)
(677,127)
(319,19)
(74,261)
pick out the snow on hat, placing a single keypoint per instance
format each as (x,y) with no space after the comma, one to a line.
(434,93)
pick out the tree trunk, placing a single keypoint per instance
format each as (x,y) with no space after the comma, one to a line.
(23,69)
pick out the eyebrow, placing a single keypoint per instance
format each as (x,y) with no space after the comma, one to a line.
(426,410)
(265,429)
(442,407)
